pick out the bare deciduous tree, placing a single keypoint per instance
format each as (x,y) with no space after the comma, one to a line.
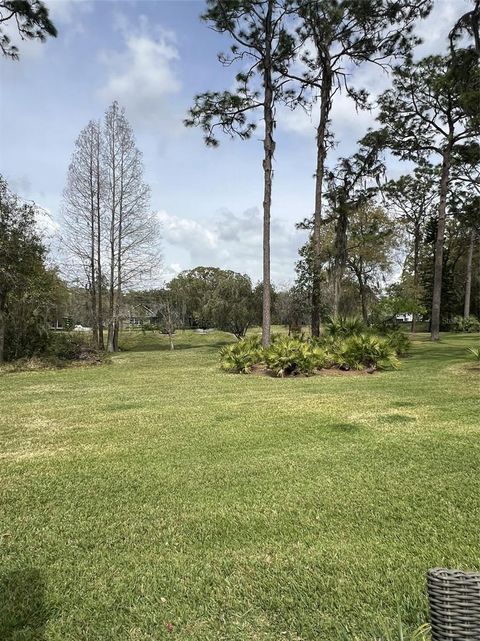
(132,229)
(82,217)
(107,219)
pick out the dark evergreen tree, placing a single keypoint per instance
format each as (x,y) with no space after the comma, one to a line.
(338,35)
(30,18)
(263,47)
(424,115)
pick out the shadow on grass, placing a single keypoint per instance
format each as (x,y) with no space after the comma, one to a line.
(179,346)
(23,614)
(343,428)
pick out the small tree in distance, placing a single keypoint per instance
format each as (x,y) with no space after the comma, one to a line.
(413,198)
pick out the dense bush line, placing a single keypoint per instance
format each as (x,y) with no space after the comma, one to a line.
(470,325)
(347,344)
(59,350)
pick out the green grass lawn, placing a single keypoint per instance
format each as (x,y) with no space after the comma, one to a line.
(159,490)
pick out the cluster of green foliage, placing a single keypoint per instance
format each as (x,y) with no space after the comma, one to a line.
(475,351)
(344,326)
(31,20)
(347,344)
(242,356)
(470,325)
(367,350)
(213,297)
(292,356)
(400,341)
(29,289)
(68,345)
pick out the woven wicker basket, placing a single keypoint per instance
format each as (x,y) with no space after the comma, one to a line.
(454,599)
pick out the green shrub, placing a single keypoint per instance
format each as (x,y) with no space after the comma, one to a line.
(366,350)
(291,356)
(475,351)
(254,341)
(333,347)
(471,324)
(400,341)
(242,356)
(276,336)
(68,346)
(344,326)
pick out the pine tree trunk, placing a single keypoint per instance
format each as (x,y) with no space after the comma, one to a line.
(363,301)
(325,104)
(468,279)
(358,271)
(416,253)
(336,293)
(340,256)
(269,148)
(438,265)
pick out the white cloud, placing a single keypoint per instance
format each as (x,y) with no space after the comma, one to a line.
(184,231)
(142,76)
(68,11)
(231,241)
(434,30)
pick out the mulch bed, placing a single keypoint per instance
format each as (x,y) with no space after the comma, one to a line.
(261,370)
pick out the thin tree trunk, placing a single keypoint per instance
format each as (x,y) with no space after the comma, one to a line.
(111,293)
(170,325)
(340,257)
(2,327)
(416,253)
(111,301)
(111,320)
(269,148)
(325,104)
(118,297)
(438,265)
(336,292)
(468,280)
(93,275)
(358,271)
(101,341)
(363,300)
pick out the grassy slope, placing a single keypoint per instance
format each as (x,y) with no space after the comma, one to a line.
(160,490)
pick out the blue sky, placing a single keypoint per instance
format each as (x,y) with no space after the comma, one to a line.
(153,56)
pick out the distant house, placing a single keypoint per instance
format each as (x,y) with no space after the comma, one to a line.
(134,316)
(65,323)
(404,318)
